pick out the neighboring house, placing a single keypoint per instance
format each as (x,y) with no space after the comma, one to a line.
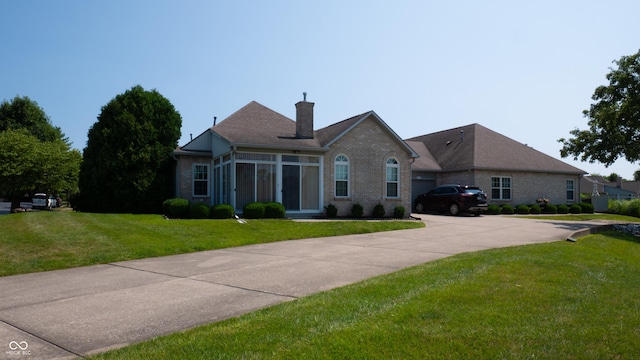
(508,171)
(615,189)
(257,154)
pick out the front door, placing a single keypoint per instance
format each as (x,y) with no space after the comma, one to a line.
(291,187)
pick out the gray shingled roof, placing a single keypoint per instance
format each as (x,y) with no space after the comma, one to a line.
(256,125)
(476,147)
(426,161)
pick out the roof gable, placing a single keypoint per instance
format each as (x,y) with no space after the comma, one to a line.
(333,133)
(477,147)
(201,142)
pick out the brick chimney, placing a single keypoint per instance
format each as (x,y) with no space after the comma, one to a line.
(304,119)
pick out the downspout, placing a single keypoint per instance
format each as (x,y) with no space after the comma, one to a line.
(579,194)
(232,175)
(410,201)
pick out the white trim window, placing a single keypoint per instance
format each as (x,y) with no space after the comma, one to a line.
(571,190)
(393,178)
(500,188)
(341,176)
(200,180)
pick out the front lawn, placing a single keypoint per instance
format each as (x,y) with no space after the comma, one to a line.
(50,240)
(558,300)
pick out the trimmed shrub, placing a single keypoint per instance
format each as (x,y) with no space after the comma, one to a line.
(274,210)
(331,210)
(507,209)
(378,211)
(166,206)
(493,209)
(563,209)
(199,210)
(176,208)
(357,210)
(633,208)
(549,209)
(575,209)
(398,212)
(535,209)
(618,206)
(254,210)
(586,208)
(522,209)
(222,211)
(625,207)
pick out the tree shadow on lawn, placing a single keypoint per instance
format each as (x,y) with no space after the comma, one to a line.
(576,226)
(622,235)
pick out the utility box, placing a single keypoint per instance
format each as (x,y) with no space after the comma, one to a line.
(600,203)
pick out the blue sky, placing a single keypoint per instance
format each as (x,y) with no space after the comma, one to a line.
(523,69)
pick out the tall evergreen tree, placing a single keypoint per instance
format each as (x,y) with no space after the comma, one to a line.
(127,164)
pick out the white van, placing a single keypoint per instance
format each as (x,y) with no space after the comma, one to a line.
(42,201)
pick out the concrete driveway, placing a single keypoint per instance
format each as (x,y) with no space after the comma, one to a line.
(76,312)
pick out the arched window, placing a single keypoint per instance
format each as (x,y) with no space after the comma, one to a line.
(393,178)
(341,171)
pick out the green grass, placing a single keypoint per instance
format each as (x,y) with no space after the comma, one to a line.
(40,241)
(559,300)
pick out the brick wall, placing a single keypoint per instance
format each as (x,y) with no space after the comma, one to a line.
(526,187)
(368,146)
(185,177)
(304,120)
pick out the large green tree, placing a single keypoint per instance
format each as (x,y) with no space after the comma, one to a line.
(614,118)
(24,113)
(127,164)
(28,165)
(34,154)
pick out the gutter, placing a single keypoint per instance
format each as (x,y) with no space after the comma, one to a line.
(280,147)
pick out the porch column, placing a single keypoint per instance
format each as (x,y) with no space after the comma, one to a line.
(279,178)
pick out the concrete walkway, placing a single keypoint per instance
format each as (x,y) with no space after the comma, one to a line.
(76,312)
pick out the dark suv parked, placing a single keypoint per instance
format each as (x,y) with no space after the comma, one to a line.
(453,199)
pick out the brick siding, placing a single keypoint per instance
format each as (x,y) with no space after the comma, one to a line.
(526,187)
(185,177)
(368,146)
